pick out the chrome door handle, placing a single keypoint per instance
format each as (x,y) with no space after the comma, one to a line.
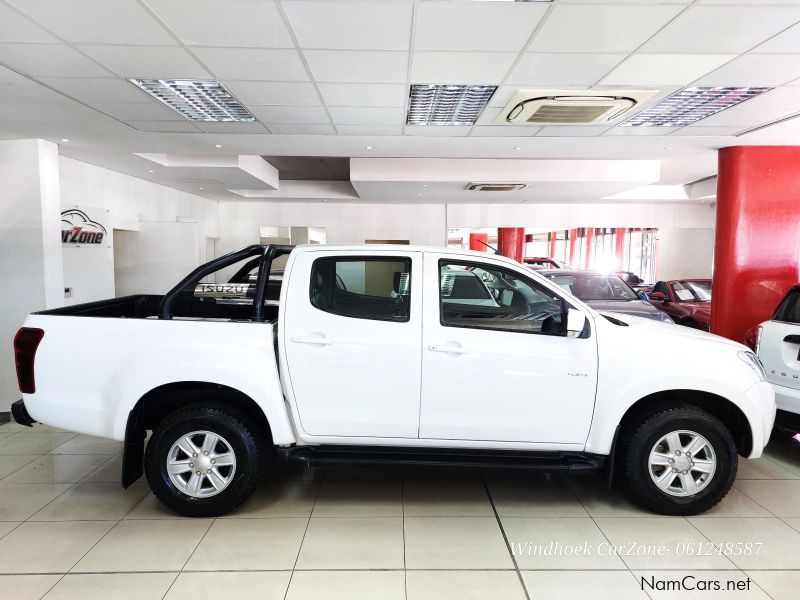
(448,349)
(307,339)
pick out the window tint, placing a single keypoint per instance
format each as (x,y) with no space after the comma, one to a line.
(789,310)
(484,297)
(363,287)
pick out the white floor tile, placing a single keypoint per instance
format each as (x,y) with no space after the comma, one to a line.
(13,462)
(780,585)
(346,585)
(26,587)
(779,541)
(463,585)
(455,543)
(435,496)
(109,472)
(699,585)
(18,501)
(366,498)
(541,496)
(93,501)
(28,443)
(352,543)
(230,586)
(737,504)
(119,586)
(762,468)
(87,444)
(287,498)
(57,468)
(597,585)
(780,497)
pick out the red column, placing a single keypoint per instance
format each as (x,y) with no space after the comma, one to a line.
(589,247)
(757,243)
(573,246)
(511,242)
(552,237)
(619,246)
(479,241)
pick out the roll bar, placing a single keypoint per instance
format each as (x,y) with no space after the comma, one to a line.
(265,255)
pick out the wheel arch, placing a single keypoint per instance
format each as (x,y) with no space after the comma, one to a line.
(164,399)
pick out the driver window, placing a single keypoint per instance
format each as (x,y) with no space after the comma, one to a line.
(485,297)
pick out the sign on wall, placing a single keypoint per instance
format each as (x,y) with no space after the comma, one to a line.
(84,227)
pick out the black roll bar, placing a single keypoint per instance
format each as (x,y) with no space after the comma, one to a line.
(265,254)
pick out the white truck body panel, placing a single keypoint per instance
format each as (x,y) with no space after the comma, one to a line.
(379,382)
(781,358)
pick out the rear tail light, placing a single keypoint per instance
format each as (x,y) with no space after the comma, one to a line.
(753,338)
(25,344)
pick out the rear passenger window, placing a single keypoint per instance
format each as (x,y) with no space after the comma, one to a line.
(362,287)
(789,309)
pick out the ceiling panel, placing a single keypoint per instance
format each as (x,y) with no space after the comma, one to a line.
(357,115)
(599,28)
(274,92)
(250,64)
(434,130)
(461,67)
(147,62)
(241,128)
(786,98)
(756,70)
(290,114)
(722,29)
(135,111)
(233,23)
(504,131)
(301,128)
(564,68)
(96,90)
(743,118)
(97,21)
(641,131)
(476,26)
(16,28)
(352,66)
(571,130)
(360,94)
(503,94)
(370,129)
(665,69)
(356,25)
(706,131)
(165,126)
(787,42)
(49,60)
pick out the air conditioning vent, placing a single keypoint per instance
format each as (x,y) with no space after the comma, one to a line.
(531,107)
(495,187)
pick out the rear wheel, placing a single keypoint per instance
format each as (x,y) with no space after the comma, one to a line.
(203,461)
(679,461)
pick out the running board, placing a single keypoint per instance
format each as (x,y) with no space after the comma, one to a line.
(316,456)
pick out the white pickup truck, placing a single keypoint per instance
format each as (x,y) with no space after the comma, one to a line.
(390,354)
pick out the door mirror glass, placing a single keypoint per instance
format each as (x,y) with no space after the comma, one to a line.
(657,296)
(576,322)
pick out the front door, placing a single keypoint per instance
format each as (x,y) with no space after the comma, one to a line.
(497,364)
(352,337)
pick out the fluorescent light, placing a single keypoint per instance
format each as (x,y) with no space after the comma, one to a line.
(692,104)
(65,140)
(447,104)
(196,100)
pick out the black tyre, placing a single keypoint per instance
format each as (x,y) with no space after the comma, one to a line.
(203,461)
(679,461)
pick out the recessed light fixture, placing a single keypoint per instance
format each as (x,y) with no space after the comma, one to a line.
(150,171)
(447,104)
(217,145)
(692,104)
(517,147)
(65,140)
(201,188)
(367,147)
(196,100)
(668,148)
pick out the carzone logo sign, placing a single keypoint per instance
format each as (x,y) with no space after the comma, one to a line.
(77,228)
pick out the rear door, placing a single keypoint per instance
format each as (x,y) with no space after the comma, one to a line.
(352,333)
(779,348)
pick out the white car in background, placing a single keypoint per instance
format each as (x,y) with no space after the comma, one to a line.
(777,343)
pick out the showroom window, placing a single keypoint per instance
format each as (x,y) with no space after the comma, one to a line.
(482,297)
(364,288)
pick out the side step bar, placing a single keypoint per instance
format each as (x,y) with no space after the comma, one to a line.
(315,456)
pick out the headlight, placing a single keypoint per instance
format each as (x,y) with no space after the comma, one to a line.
(754,362)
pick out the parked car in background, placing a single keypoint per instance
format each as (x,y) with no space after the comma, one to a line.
(687,301)
(633,280)
(777,344)
(605,293)
(544,262)
(391,355)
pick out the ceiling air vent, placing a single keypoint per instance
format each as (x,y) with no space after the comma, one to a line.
(569,107)
(494,187)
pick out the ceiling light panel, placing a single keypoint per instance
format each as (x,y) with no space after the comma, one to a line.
(447,104)
(692,104)
(197,100)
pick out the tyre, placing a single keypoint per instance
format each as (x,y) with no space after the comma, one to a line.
(679,461)
(203,461)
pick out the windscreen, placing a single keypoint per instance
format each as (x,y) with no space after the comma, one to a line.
(692,291)
(594,286)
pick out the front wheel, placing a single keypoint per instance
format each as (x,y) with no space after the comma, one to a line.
(202,461)
(679,461)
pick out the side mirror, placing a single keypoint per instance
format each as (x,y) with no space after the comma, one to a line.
(657,296)
(576,322)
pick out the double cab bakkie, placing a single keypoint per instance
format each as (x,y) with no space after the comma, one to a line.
(390,354)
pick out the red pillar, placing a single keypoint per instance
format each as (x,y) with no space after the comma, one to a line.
(757,243)
(511,242)
(589,247)
(479,241)
(619,246)
(573,246)
(552,237)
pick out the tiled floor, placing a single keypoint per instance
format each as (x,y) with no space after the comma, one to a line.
(68,530)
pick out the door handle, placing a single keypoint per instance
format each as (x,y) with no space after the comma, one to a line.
(307,339)
(448,349)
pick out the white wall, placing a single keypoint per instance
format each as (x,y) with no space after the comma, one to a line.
(344,223)
(30,244)
(130,201)
(684,253)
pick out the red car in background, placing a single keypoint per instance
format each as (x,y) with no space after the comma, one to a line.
(687,301)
